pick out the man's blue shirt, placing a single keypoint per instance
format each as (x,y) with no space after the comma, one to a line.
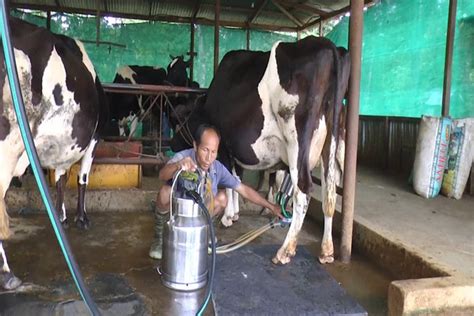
(220,176)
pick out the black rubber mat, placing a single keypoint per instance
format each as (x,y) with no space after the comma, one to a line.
(111,293)
(247,283)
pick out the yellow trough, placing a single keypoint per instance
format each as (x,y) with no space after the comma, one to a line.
(109,176)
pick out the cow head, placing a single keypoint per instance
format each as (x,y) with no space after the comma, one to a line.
(177,71)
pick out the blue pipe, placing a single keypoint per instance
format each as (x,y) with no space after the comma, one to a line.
(34,160)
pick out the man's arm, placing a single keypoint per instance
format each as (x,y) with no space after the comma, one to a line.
(254,197)
(168,170)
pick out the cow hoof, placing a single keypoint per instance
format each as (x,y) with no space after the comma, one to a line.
(9,281)
(281,261)
(226,221)
(235,218)
(65,224)
(326,259)
(83,224)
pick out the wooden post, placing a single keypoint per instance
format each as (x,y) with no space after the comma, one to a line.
(350,163)
(449,57)
(216,34)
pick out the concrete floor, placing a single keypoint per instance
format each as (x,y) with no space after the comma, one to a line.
(118,244)
(437,232)
(440,230)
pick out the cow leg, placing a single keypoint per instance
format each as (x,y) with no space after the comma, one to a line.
(236,200)
(8,280)
(231,212)
(60,177)
(288,249)
(20,169)
(271,189)
(8,163)
(122,125)
(329,176)
(21,165)
(327,248)
(81,219)
(275,180)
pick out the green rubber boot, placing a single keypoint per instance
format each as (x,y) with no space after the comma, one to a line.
(156,249)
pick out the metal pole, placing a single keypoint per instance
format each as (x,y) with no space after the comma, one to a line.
(216,34)
(98,25)
(48,20)
(449,56)
(248,38)
(350,163)
(191,53)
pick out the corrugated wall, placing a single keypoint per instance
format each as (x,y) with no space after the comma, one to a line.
(388,142)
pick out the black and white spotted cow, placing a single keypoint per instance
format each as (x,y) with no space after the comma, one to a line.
(63,99)
(126,107)
(282,106)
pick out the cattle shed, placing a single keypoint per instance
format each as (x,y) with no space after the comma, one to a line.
(411,255)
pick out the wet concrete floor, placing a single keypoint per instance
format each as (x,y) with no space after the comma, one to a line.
(115,250)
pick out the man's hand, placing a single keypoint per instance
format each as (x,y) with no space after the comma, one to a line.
(276,210)
(187,164)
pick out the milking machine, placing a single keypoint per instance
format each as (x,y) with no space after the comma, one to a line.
(186,235)
(186,238)
(284,195)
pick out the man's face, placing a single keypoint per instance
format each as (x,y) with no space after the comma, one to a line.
(206,152)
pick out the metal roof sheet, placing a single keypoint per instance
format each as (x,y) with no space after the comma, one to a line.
(289,15)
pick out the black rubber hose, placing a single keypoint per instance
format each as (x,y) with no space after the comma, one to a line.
(197,198)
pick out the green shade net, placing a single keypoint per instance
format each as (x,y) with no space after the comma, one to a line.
(403,54)
(152,43)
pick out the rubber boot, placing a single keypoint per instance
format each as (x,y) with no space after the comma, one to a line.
(156,248)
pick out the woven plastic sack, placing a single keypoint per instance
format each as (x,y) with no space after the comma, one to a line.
(460,155)
(431,155)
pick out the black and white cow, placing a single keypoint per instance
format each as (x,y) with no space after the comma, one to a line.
(126,107)
(63,100)
(282,106)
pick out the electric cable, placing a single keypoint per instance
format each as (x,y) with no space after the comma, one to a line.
(34,160)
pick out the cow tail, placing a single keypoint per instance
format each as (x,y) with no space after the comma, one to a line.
(337,106)
(337,102)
